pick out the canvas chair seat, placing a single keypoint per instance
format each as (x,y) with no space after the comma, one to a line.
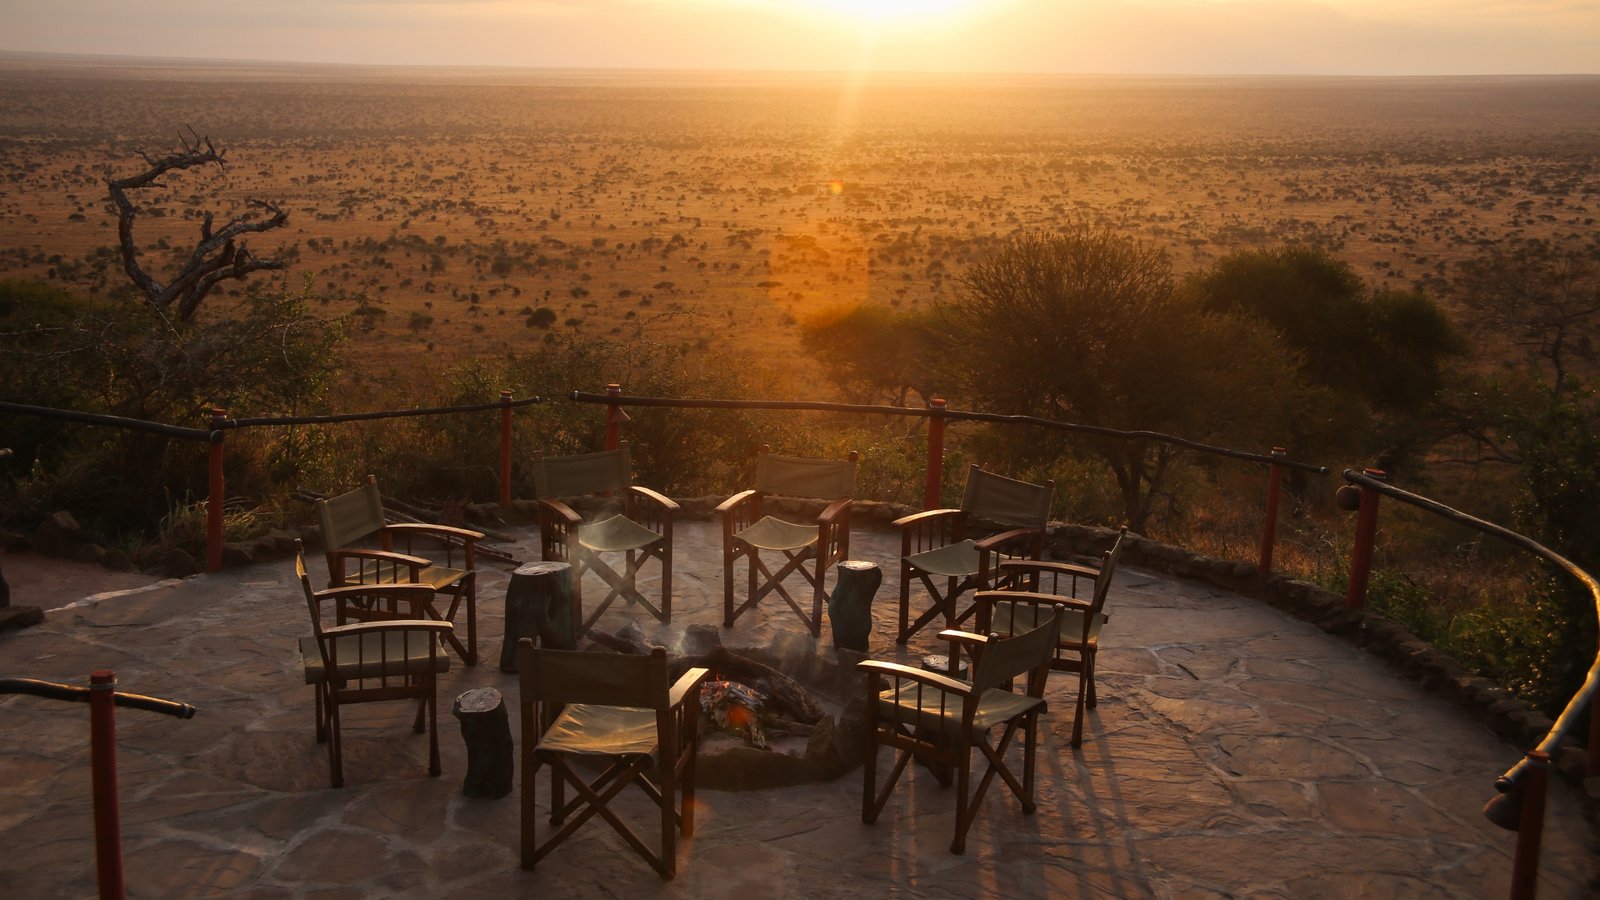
(915,706)
(957,560)
(366,659)
(776,534)
(586,728)
(437,577)
(1015,619)
(617,534)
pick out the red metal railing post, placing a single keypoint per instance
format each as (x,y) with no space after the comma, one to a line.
(103,777)
(505,449)
(1355,596)
(1530,831)
(215,492)
(614,417)
(933,489)
(1269,534)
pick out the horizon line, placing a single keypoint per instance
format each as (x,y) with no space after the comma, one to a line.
(8,54)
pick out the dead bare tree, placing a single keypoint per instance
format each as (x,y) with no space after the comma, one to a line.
(218,256)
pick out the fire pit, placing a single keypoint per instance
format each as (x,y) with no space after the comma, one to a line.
(792,713)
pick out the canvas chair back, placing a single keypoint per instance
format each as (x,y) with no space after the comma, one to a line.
(349,518)
(600,679)
(1006,501)
(1108,568)
(583,473)
(1011,657)
(798,476)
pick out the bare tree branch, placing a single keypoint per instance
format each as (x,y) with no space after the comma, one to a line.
(219,255)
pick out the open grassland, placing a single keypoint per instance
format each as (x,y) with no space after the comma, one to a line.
(441,209)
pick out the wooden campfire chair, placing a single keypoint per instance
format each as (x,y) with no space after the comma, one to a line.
(643,531)
(941,720)
(944,548)
(747,533)
(585,710)
(378,646)
(1055,584)
(357,518)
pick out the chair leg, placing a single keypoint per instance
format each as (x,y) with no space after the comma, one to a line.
(1030,742)
(965,810)
(471,658)
(335,750)
(1088,662)
(869,776)
(530,810)
(322,712)
(666,586)
(905,603)
(1085,690)
(728,557)
(818,595)
(433,727)
(669,821)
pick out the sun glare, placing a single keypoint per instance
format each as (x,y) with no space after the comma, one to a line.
(905,11)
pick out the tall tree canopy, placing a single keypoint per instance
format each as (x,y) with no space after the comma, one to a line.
(1377,354)
(1088,326)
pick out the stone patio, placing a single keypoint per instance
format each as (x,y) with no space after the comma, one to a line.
(1237,752)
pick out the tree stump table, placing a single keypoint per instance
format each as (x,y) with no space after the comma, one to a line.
(850,607)
(491,757)
(539,606)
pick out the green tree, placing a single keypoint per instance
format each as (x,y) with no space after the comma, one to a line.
(872,353)
(1088,326)
(1377,354)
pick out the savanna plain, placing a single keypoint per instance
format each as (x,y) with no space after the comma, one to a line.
(442,209)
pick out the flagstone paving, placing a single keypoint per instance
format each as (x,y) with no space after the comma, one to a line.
(1236,752)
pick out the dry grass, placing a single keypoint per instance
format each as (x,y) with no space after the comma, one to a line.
(718,212)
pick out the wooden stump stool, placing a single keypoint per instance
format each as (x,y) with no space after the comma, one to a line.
(850,607)
(491,757)
(538,606)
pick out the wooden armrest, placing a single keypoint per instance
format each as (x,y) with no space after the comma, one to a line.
(390,556)
(727,506)
(690,679)
(1049,565)
(560,511)
(1005,537)
(1031,598)
(424,592)
(837,511)
(466,535)
(388,625)
(965,638)
(661,500)
(896,670)
(915,519)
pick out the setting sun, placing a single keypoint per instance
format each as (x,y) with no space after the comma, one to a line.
(895,10)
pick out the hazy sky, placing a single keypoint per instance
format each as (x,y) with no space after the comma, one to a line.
(1375,37)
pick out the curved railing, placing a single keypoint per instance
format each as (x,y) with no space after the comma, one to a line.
(1519,805)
